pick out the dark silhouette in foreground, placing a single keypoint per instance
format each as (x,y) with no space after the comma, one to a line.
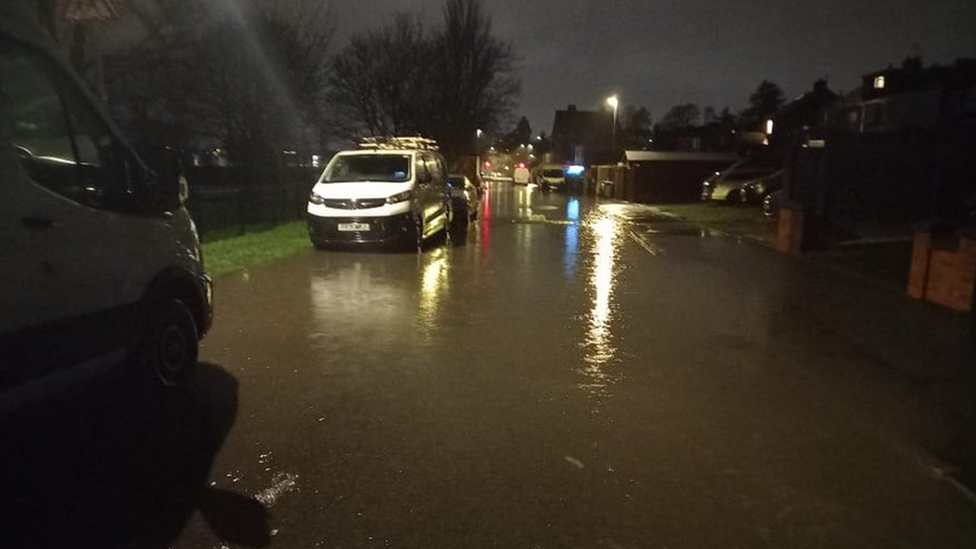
(122,464)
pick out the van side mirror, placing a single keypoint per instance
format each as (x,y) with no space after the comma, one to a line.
(168,189)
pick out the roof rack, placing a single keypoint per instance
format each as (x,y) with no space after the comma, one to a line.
(416,143)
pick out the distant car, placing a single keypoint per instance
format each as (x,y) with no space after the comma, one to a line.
(727,185)
(521,175)
(550,176)
(756,190)
(465,197)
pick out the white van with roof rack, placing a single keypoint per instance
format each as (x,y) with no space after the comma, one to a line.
(100,263)
(390,189)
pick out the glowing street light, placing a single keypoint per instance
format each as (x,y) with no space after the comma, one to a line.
(614,102)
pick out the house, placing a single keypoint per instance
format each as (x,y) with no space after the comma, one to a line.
(796,117)
(583,137)
(899,149)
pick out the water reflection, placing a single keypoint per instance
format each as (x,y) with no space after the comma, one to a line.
(358,303)
(524,197)
(598,348)
(484,235)
(433,288)
(572,238)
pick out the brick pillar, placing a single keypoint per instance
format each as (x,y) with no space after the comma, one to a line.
(951,276)
(918,275)
(967,263)
(789,238)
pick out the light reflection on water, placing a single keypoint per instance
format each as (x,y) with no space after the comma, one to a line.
(572,238)
(355,304)
(597,345)
(433,288)
(375,304)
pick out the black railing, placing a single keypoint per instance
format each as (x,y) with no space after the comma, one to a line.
(227,202)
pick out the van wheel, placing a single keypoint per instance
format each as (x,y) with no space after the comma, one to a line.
(169,343)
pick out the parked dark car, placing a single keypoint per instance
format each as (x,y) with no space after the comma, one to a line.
(465,197)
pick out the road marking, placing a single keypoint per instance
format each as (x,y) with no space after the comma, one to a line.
(651,249)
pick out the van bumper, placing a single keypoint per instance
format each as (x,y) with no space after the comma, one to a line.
(325,230)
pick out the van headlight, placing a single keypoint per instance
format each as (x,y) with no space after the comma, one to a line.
(400,197)
(316,199)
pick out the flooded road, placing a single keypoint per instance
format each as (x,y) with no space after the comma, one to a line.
(572,374)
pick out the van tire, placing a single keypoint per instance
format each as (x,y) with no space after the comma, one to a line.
(168,345)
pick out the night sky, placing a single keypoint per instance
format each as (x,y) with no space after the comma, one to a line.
(657,54)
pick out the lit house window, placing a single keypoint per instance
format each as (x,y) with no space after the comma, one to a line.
(879,82)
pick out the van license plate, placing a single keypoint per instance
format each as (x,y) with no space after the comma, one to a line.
(354,227)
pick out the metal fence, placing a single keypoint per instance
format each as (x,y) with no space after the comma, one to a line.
(863,182)
(227,202)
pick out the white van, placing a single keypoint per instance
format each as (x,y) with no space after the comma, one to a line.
(551,176)
(99,260)
(389,190)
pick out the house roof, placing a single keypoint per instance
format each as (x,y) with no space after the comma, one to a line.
(582,126)
(658,156)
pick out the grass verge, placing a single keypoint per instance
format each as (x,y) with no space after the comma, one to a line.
(242,252)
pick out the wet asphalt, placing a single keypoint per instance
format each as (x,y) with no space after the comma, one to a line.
(568,374)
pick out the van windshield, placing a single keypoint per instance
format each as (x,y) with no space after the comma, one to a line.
(385,167)
(552,173)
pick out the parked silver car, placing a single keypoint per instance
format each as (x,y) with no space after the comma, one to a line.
(727,185)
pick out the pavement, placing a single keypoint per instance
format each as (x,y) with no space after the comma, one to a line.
(932,346)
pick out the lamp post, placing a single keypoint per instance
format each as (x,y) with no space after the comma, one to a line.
(614,102)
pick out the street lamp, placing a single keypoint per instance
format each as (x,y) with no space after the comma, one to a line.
(614,102)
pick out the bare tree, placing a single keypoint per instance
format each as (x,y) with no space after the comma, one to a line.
(764,102)
(380,83)
(446,83)
(638,124)
(476,76)
(253,78)
(681,116)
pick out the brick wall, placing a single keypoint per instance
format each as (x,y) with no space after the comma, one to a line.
(943,270)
